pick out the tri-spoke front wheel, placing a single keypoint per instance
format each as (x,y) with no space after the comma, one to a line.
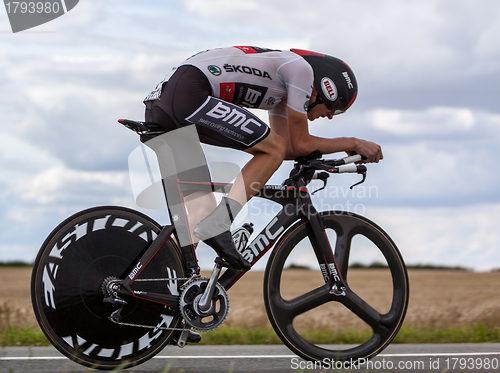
(306,313)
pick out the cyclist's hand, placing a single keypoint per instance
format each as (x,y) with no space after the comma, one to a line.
(371,151)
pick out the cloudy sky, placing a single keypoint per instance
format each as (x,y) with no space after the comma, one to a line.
(429,78)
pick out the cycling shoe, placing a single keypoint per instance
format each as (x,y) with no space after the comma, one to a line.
(224,247)
(193,337)
(214,231)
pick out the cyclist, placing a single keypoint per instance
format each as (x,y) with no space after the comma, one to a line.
(212,90)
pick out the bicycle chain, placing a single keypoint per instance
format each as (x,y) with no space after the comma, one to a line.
(181,287)
(187,279)
(161,279)
(150,326)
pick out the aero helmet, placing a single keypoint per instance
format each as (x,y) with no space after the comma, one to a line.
(334,81)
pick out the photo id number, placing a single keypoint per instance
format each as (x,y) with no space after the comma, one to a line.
(32,7)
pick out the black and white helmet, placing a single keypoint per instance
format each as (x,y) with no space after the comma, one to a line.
(334,80)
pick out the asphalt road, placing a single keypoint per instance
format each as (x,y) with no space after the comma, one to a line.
(275,359)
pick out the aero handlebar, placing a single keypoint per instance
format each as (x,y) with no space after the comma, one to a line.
(305,167)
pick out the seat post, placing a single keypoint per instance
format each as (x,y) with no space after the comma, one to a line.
(179,152)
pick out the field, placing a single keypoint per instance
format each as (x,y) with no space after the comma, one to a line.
(440,299)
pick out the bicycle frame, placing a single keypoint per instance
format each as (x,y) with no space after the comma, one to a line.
(297,205)
(294,198)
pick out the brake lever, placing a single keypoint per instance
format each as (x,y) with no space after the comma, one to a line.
(362,171)
(321,176)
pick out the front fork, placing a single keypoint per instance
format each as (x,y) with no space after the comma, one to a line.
(324,253)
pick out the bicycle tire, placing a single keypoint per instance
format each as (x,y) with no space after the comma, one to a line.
(69,270)
(282,312)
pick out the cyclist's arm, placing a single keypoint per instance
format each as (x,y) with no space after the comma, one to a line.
(294,130)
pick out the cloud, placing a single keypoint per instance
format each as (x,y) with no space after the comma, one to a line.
(71,105)
(428,94)
(440,156)
(221,8)
(464,236)
(32,204)
(14,153)
(434,121)
(450,236)
(461,126)
(61,185)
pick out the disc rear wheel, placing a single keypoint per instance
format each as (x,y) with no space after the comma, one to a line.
(76,262)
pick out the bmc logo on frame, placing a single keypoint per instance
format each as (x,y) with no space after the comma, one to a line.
(26,14)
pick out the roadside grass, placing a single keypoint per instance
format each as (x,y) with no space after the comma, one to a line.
(439,324)
(26,336)
(472,334)
(479,333)
(12,336)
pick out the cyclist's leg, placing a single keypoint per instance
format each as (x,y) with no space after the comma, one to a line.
(223,124)
(186,90)
(186,93)
(198,206)
(267,157)
(268,154)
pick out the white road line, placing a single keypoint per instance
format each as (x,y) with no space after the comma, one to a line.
(161,357)
(32,358)
(442,354)
(229,357)
(259,356)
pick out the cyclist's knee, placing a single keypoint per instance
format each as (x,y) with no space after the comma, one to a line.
(280,148)
(275,146)
(272,146)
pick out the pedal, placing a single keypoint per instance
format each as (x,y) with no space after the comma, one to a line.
(222,263)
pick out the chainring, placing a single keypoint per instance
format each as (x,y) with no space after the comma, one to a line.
(193,316)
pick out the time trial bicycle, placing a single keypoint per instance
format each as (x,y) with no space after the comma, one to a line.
(111,287)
